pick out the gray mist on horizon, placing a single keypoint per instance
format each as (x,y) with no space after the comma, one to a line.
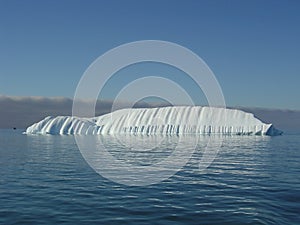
(21,112)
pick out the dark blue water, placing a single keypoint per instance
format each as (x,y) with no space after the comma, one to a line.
(253,180)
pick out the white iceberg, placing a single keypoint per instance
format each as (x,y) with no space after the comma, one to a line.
(165,120)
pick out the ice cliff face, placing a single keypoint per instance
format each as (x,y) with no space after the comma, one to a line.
(166,120)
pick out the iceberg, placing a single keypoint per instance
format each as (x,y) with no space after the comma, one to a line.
(164,120)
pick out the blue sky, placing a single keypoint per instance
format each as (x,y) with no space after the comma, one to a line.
(253,47)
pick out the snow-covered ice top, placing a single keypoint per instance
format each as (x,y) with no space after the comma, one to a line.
(165,120)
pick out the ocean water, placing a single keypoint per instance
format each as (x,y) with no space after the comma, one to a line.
(253,180)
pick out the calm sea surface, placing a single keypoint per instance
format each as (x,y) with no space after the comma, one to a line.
(253,180)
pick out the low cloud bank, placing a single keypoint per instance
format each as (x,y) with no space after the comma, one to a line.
(21,112)
(286,120)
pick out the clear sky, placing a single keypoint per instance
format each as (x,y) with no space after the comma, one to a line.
(253,47)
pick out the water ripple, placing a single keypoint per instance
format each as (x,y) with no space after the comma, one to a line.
(45,180)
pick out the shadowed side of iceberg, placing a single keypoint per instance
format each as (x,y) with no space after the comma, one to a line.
(272,131)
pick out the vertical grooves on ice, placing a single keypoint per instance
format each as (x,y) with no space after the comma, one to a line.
(167,120)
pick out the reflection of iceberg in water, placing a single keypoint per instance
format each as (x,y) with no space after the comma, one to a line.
(166,120)
(136,159)
(141,149)
(146,159)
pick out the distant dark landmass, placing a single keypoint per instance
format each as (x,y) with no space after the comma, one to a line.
(21,112)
